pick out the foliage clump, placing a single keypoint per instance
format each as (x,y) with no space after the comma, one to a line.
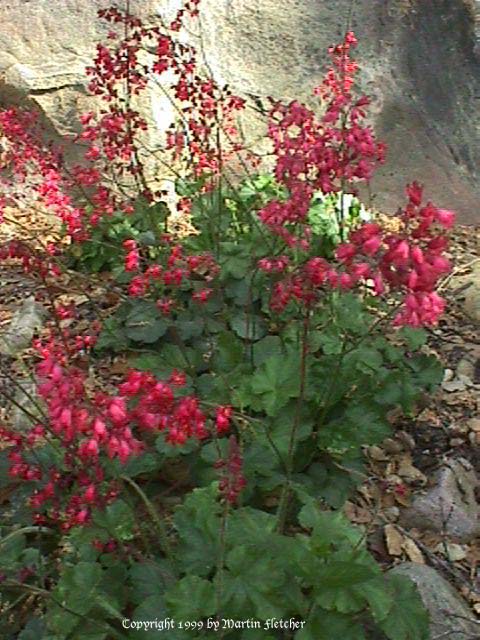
(266,349)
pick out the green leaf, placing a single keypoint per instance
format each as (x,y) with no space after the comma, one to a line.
(240,292)
(174,357)
(332,342)
(228,353)
(33,630)
(144,463)
(265,348)
(369,359)
(144,324)
(259,463)
(11,551)
(329,527)
(192,598)
(276,381)
(328,625)
(152,362)
(188,324)
(112,336)
(147,238)
(169,450)
(117,519)
(162,364)
(151,608)
(341,584)
(390,393)
(428,371)
(415,338)
(251,525)
(407,619)
(253,584)
(188,329)
(150,578)
(351,313)
(358,426)
(113,591)
(211,451)
(234,261)
(211,386)
(197,521)
(342,574)
(77,590)
(249,326)
(279,427)
(380,597)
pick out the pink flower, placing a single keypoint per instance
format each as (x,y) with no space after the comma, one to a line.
(415,193)
(372,245)
(202,296)
(222,419)
(345,252)
(445,217)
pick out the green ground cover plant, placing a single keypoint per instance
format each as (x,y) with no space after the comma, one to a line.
(201,496)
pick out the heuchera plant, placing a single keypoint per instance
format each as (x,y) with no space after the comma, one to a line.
(208,484)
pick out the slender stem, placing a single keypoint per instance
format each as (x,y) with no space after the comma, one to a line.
(221,562)
(15,603)
(345,351)
(164,541)
(285,496)
(24,410)
(14,584)
(24,530)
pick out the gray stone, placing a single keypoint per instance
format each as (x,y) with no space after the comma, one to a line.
(450,505)
(472,294)
(18,335)
(27,408)
(450,616)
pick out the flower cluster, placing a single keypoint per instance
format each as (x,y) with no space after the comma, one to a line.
(410,261)
(407,264)
(233,481)
(29,161)
(329,154)
(32,261)
(89,433)
(121,71)
(115,149)
(324,153)
(157,409)
(85,430)
(196,270)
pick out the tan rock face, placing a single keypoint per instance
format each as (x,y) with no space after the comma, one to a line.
(418,59)
(44,49)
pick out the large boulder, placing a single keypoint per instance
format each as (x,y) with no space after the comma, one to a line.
(450,616)
(420,60)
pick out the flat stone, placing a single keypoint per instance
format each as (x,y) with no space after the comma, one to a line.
(27,406)
(472,294)
(450,616)
(18,335)
(450,505)
(474,424)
